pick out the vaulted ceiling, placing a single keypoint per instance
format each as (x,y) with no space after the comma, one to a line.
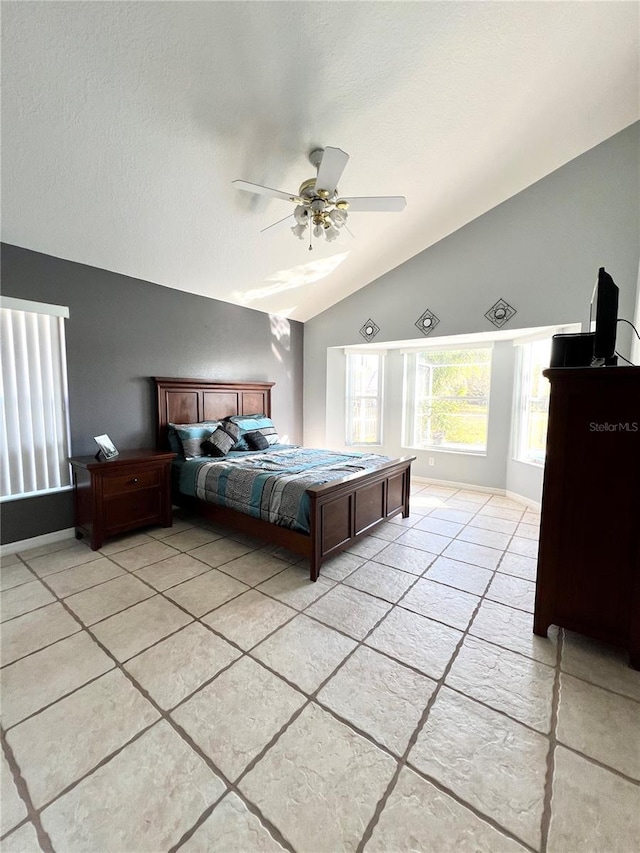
(124,124)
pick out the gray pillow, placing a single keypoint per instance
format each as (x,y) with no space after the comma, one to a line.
(256,440)
(222,440)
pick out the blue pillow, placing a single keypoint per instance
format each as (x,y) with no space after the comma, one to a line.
(222,440)
(254,423)
(191,437)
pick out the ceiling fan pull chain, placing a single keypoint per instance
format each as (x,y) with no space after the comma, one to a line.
(310,246)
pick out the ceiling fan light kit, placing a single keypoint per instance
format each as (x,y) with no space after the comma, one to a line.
(319,209)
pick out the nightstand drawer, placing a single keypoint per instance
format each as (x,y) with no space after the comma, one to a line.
(138,479)
(135,508)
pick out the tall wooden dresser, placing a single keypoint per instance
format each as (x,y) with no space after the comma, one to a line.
(589,556)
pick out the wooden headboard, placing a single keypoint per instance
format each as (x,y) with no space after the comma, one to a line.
(189,401)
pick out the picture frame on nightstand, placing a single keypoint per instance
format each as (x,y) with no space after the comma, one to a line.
(108,449)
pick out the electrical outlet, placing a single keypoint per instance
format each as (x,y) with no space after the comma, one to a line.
(432,461)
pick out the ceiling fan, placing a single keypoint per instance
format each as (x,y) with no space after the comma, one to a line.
(319,209)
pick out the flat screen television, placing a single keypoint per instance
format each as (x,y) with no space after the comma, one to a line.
(604,310)
(597,346)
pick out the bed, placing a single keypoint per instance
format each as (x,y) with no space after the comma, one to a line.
(339,512)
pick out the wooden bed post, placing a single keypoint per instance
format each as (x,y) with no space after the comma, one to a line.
(407,493)
(315,558)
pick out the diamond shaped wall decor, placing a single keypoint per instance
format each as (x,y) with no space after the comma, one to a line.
(500,313)
(369,330)
(427,322)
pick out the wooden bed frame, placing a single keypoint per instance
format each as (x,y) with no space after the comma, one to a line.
(342,511)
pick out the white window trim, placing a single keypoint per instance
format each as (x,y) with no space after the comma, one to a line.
(518,400)
(34,307)
(22,375)
(433,345)
(380,397)
(37,494)
(409,399)
(544,336)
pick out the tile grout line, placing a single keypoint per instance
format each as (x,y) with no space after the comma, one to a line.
(403,763)
(294,686)
(312,697)
(33,815)
(404,760)
(545,820)
(424,575)
(164,715)
(60,600)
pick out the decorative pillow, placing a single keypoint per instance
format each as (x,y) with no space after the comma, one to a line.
(174,441)
(191,437)
(222,440)
(256,440)
(253,423)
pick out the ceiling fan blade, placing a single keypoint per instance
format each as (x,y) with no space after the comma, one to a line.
(379,204)
(279,222)
(260,190)
(331,168)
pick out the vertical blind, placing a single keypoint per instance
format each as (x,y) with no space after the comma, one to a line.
(33,398)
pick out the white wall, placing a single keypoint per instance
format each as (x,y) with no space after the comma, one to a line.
(539,250)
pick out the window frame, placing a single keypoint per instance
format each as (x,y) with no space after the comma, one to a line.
(350,397)
(522,400)
(410,395)
(60,352)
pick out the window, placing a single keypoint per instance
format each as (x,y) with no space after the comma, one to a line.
(532,401)
(364,398)
(447,399)
(33,398)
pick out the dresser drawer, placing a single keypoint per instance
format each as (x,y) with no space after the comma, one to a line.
(134,480)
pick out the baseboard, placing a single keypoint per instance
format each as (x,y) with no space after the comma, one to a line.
(472,487)
(36,541)
(534,505)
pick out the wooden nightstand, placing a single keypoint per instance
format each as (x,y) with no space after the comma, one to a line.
(116,495)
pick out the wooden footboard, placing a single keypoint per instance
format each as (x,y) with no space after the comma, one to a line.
(344,510)
(341,512)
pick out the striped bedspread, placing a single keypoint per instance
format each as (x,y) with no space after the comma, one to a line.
(271,485)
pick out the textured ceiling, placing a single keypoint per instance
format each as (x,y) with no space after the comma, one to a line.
(123,125)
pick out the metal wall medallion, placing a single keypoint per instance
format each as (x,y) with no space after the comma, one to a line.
(369,330)
(500,313)
(427,322)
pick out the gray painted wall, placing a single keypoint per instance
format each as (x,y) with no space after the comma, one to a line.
(539,250)
(121,331)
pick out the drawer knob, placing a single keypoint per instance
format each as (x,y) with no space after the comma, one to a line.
(135,480)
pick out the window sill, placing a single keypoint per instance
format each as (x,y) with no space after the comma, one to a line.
(40,493)
(436,448)
(528,462)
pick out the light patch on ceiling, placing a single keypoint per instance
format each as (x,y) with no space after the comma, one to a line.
(298,276)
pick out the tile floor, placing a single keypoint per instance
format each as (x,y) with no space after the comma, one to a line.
(189,689)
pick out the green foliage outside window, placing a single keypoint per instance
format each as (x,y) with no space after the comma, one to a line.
(452,394)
